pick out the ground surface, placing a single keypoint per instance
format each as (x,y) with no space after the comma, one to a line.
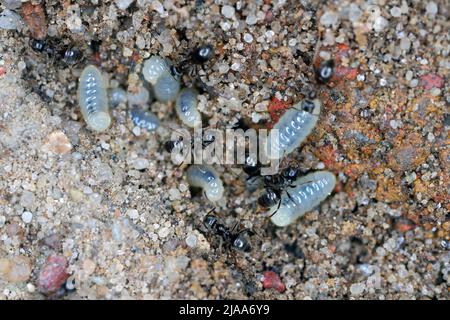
(121,216)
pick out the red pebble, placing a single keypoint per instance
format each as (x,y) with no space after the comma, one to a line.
(431,80)
(53,274)
(277,108)
(34,17)
(346,73)
(2,71)
(272,281)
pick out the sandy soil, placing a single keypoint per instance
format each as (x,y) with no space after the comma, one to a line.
(108,216)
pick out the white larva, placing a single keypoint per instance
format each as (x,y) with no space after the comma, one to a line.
(93,99)
(153,68)
(205,177)
(166,87)
(308,193)
(292,129)
(186,108)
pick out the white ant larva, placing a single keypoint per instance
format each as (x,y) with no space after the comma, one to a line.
(205,177)
(153,69)
(167,87)
(292,128)
(93,99)
(163,76)
(186,108)
(306,193)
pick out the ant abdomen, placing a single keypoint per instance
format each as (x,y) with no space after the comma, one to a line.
(306,193)
(207,178)
(292,128)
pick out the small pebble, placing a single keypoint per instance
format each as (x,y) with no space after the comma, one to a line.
(10,20)
(191,240)
(356,289)
(228,11)
(16,269)
(117,96)
(354,12)
(248,38)
(27,216)
(163,232)
(380,24)
(133,214)
(432,8)
(251,19)
(395,12)
(12,4)
(53,274)
(123,4)
(393,124)
(329,18)
(140,163)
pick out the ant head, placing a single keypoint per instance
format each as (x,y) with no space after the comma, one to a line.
(202,54)
(209,137)
(172,144)
(251,166)
(290,173)
(37,45)
(209,221)
(241,243)
(269,179)
(269,198)
(71,56)
(175,72)
(308,105)
(325,71)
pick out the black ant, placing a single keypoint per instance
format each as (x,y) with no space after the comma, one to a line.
(68,55)
(325,71)
(198,57)
(184,147)
(237,240)
(274,186)
(170,145)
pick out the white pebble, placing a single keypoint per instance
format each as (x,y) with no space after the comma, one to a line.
(30,287)
(383,82)
(248,38)
(292,42)
(133,213)
(357,288)
(329,18)
(191,240)
(405,44)
(395,12)
(140,163)
(2,221)
(163,232)
(354,12)
(228,11)
(393,124)
(380,24)
(408,75)
(432,8)
(27,216)
(251,19)
(123,4)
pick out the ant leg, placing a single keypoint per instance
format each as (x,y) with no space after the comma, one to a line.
(234,227)
(290,197)
(279,205)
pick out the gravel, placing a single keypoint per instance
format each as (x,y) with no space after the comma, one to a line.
(108,216)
